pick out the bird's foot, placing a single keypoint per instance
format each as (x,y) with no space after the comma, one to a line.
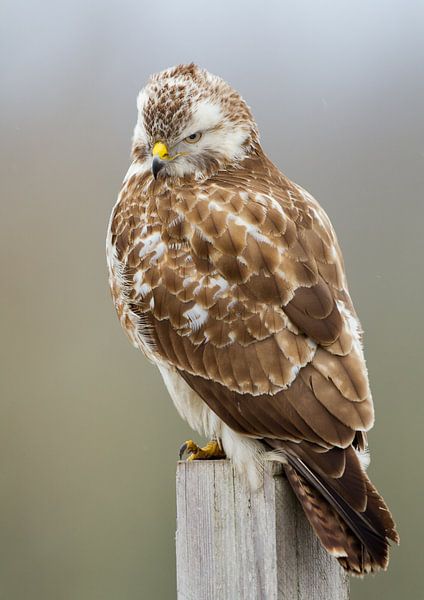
(212,451)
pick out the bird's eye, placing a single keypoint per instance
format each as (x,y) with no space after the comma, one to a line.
(193,138)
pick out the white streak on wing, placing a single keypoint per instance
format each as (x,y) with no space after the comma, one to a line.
(283,276)
(276,205)
(215,206)
(141,288)
(153,243)
(293,374)
(251,229)
(144,289)
(364,457)
(237,220)
(257,235)
(353,325)
(210,282)
(159,252)
(197,316)
(261,199)
(221,283)
(267,201)
(149,244)
(199,286)
(294,371)
(187,281)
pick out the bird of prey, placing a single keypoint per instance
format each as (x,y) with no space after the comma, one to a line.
(229,277)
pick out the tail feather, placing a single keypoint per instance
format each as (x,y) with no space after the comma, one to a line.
(379,512)
(330,528)
(355,530)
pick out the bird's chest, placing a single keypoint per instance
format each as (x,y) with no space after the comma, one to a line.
(153,271)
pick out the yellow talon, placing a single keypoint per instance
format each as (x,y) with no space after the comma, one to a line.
(212,451)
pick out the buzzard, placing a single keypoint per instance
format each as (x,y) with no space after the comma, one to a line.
(229,277)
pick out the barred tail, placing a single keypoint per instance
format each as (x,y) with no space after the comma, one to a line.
(347,513)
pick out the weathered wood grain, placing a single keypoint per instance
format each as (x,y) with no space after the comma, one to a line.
(236,545)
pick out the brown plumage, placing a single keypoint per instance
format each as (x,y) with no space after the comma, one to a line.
(230,278)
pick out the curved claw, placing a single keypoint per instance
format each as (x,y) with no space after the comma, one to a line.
(190,447)
(212,451)
(182,450)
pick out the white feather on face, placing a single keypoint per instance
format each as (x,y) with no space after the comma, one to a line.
(172,107)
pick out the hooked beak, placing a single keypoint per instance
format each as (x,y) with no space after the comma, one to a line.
(160,156)
(157,165)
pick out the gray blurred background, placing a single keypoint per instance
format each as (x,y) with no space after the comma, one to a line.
(88,435)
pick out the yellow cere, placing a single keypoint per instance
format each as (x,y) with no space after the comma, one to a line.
(160,150)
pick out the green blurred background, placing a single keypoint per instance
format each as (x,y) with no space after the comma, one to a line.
(88,435)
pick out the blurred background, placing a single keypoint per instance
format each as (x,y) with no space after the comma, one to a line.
(88,435)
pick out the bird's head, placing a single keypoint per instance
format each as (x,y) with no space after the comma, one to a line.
(191,123)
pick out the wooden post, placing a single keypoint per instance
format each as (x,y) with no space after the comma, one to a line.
(236,545)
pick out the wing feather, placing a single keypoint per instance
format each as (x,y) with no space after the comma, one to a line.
(244,305)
